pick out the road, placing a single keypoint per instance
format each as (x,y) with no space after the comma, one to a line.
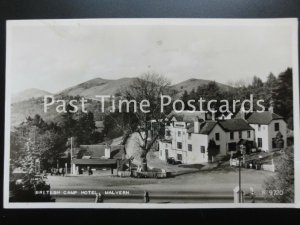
(201,186)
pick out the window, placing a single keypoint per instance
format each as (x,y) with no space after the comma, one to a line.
(202,148)
(240,134)
(248,133)
(179,133)
(259,126)
(168,133)
(190,147)
(259,142)
(179,157)
(179,145)
(217,136)
(189,136)
(160,152)
(232,146)
(231,135)
(276,126)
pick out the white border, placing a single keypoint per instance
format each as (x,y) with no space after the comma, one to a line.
(293,22)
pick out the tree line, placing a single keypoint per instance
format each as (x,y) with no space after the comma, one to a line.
(275,91)
(35,139)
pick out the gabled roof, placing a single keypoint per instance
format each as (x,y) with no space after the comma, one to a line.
(187,116)
(263,117)
(205,127)
(94,161)
(94,151)
(238,115)
(98,151)
(235,125)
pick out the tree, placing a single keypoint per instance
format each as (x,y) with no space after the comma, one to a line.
(280,188)
(257,82)
(268,86)
(35,140)
(150,87)
(85,128)
(283,94)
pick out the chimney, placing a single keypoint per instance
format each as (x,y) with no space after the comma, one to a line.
(213,116)
(271,108)
(196,125)
(242,112)
(107,152)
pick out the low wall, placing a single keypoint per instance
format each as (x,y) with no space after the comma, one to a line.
(124,173)
(268,167)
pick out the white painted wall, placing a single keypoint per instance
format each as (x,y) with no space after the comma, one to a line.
(195,156)
(267,132)
(263,133)
(197,140)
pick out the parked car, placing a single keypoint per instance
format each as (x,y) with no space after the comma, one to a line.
(173,161)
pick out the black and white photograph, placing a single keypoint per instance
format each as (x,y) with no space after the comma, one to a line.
(151,113)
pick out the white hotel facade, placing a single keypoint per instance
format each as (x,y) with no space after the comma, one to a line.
(187,136)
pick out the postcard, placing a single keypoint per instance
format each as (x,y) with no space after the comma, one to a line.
(151,113)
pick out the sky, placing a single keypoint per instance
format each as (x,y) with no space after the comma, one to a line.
(53,55)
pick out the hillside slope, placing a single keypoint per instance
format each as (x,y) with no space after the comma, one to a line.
(193,83)
(29,94)
(97,86)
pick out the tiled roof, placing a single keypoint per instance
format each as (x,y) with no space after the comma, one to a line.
(98,151)
(187,116)
(238,115)
(235,125)
(94,161)
(205,127)
(262,117)
(95,151)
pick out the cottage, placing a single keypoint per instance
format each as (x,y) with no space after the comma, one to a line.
(268,128)
(187,137)
(97,157)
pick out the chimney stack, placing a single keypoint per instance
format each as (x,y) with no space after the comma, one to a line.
(242,112)
(213,116)
(271,108)
(196,125)
(107,152)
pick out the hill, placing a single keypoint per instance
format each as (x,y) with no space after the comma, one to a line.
(29,94)
(97,86)
(193,83)
(32,102)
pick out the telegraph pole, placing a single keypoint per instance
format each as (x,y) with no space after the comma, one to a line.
(240,182)
(71,155)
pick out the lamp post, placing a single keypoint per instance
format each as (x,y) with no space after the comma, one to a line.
(240,157)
